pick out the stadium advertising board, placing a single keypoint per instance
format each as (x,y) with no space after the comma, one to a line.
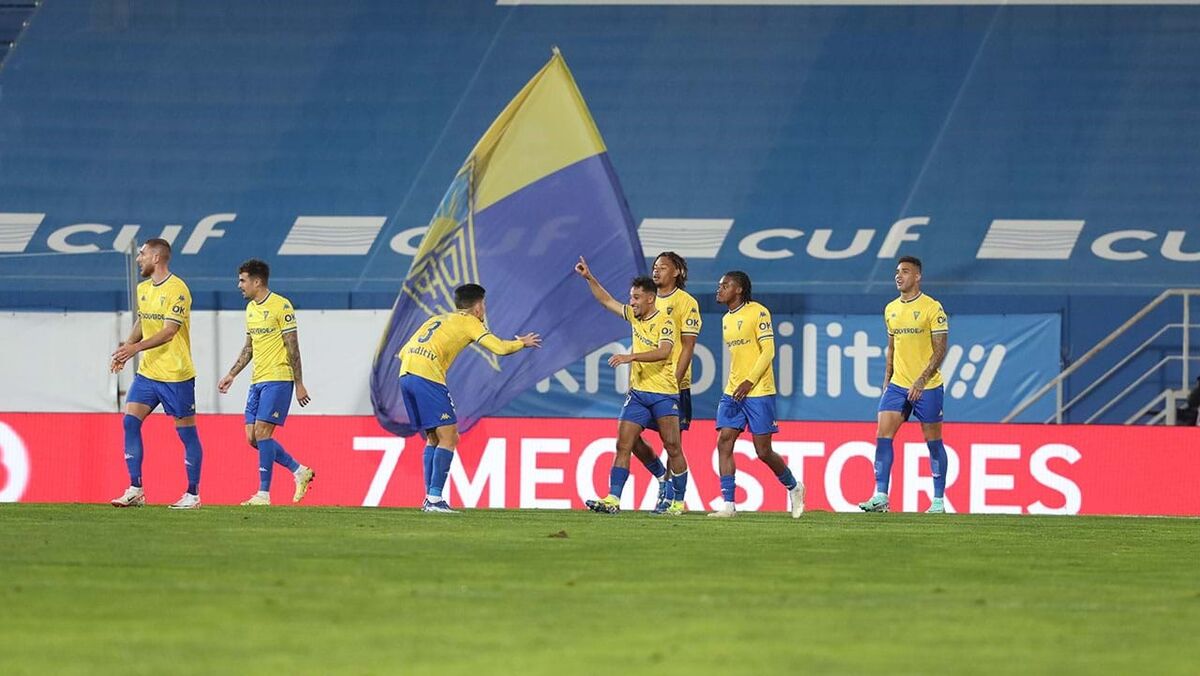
(558,463)
(829,367)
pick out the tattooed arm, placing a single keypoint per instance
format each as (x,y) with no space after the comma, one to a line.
(291,342)
(940,342)
(244,358)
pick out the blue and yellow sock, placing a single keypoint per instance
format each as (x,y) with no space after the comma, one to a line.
(193,456)
(937,466)
(282,457)
(266,463)
(133,449)
(656,468)
(787,479)
(616,480)
(441,470)
(679,483)
(427,463)
(728,488)
(883,464)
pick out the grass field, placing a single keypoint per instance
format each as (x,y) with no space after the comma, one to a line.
(91,589)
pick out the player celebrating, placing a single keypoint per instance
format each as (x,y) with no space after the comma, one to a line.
(166,374)
(749,398)
(653,399)
(670,275)
(917,336)
(272,341)
(424,361)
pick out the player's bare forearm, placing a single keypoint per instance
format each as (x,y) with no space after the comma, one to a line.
(603,297)
(243,358)
(163,337)
(291,342)
(660,353)
(940,343)
(685,357)
(136,333)
(887,369)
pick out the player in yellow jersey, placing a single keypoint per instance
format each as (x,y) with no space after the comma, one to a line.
(273,342)
(749,398)
(670,275)
(165,375)
(424,361)
(918,333)
(653,399)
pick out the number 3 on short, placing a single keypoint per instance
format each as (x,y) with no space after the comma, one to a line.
(429,334)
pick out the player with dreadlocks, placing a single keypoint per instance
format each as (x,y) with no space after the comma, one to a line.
(749,398)
(670,276)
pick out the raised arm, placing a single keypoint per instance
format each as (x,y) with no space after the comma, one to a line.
(243,358)
(601,295)
(506,347)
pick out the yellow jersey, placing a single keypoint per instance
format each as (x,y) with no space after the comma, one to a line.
(168,301)
(751,341)
(434,347)
(657,376)
(684,312)
(912,325)
(266,322)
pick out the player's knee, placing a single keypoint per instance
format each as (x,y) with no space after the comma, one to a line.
(448,440)
(763,452)
(132,424)
(252,441)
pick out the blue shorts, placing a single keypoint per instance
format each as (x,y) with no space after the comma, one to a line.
(428,403)
(757,412)
(928,408)
(644,408)
(269,401)
(177,399)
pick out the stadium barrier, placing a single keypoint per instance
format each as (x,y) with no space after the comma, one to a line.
(556,463)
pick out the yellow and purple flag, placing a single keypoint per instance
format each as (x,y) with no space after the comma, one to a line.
(535,193)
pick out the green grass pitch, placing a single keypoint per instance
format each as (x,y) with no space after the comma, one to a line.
(92,589)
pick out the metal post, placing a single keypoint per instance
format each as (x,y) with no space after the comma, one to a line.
(1169,408)
(1058,403)
(1187,302)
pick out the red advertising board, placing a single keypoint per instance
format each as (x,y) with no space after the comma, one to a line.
(558,463)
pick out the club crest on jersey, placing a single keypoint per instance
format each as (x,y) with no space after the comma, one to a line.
(916,313)
(266,313)
(739,325)
(670,310)
(446,259)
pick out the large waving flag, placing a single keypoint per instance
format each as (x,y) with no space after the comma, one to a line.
(536,192)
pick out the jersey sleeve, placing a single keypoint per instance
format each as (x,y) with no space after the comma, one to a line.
(691,319)
(667,333)
(181,307)
(286,318)
(627,313)
(475,329)
(764,330)
(938,323)
(886,323)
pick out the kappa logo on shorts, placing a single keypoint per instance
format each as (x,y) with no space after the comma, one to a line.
(445,416)
(275,414)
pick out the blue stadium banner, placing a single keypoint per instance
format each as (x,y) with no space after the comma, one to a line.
(535,193)
(830,367)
